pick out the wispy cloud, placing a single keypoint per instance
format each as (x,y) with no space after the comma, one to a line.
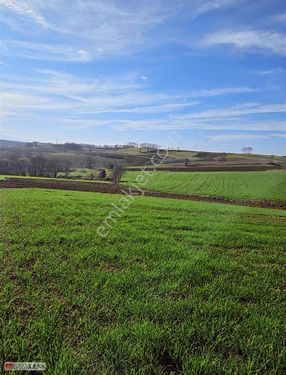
(45,51)
(236,137)
(234,111)
(80,102)
(125,94)
(181,124)
(102,29)
(25,9)
(249,40)
(214,5)
(222,91)
(93,28)
(269,71)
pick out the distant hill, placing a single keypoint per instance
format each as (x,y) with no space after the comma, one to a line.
(93,156)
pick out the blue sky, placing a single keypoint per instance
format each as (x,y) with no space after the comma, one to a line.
(203,75)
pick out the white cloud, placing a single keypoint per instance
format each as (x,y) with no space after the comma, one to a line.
(92,28)
(222,91)
(239,110)
(82,102)
(269,71)
(45,51)
(55,91)
(236,137)
(177,124)
(90,96)
(24,8)
(214,5)
(250,40)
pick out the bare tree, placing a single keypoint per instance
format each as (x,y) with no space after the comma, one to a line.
(89,162)
(38,166)
(14,165)
(66,166)
(117,174)
(247,150)
(55,166)
(4,167)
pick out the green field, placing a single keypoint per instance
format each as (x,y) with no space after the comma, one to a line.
(176,286)
(268,185)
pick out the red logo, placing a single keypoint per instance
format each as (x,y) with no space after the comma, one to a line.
(9,366)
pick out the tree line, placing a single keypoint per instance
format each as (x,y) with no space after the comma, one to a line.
(40,166)
(37,166)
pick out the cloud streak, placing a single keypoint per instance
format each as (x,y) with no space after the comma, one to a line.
(127,94)
(99,29)
(236,137)
(25,9)
(248,40)
(46,51)
(214,5)
(94,102)
(102,29)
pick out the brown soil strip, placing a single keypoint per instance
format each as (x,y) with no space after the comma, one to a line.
(109,188)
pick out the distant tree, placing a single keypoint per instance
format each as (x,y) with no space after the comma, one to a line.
(54,166)
(89,162)
(117,174)
(149,146)
(17,165)
(72,146)
(247,150)
(102,174)
(4,167)
(66,166)
(187,162)
(38,166)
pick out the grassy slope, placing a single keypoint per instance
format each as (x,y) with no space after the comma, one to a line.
(268,185)
(175,285)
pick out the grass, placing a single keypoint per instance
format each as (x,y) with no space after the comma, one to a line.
(81,172)
(74,179)
(267,185)
(182,287)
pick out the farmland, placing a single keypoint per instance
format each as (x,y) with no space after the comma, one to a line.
(176,286)
(81,161)
(268,185)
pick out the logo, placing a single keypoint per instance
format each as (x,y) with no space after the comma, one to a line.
(25,366)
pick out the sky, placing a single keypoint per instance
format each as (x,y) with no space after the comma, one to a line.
(195,74)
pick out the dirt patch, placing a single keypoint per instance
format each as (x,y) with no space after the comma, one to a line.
(111,189)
